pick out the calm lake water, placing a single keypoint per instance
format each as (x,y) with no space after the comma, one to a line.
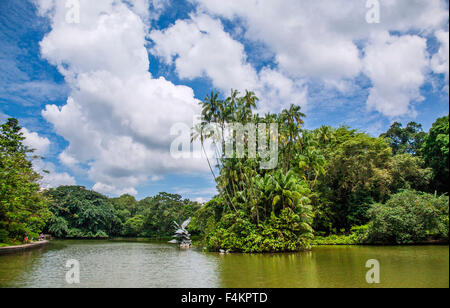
(150,264)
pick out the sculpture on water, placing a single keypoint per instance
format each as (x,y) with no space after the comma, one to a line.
(182,236)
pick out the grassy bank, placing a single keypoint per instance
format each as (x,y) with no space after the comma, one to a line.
(337,240)
(354,239)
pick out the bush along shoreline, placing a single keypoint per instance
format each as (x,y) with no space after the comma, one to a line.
(407,218)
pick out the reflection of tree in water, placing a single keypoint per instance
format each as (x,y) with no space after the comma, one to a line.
(269,270)
(14,268)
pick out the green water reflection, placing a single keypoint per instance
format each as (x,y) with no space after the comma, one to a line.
(150,264)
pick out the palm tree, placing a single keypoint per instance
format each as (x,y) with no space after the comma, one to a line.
(291,121)
(211,107)
(325,134)
(250,101)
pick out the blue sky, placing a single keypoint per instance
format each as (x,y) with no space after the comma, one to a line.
(81,89)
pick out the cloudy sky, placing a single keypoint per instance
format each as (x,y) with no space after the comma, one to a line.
(98,95)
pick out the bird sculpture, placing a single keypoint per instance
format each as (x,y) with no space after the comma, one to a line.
(182,236)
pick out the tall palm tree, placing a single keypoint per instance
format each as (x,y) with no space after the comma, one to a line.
(325,134)
(291,122)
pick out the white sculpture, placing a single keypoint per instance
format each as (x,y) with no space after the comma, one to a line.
(182,236)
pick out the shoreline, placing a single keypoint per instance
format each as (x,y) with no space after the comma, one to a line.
(19,248)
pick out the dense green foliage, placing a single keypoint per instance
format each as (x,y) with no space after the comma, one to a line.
(356,175)
(408,140)
(435,152)
(161,211)
(361,170)
(23,209)
(409,172)
(81,213)
(328,179)
(357,235)
(258,210)
(409,217)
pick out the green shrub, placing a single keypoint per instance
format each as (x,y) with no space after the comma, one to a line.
(285,233)
(335,240)
(134,226)
(101,235)
(75,234)
(357,236)
(409,217)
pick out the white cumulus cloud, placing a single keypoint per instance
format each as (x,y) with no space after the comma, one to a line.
(118,117)
(322,41)
(439,62)
(200,47)
(50,177)
(33,141)
(397,67)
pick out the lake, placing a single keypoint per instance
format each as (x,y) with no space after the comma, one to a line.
(153,264)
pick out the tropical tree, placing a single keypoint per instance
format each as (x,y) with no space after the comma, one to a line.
(409,217)
(409,172)
(134,226)
(286,190)
(162,210)
(356,176)
(256,202)
(435,152)
(291,122)
(408,140)
(81,213)
(125,206)
(23,208)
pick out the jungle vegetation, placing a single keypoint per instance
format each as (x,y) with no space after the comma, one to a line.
(81,213)
(331,186)
(329,181)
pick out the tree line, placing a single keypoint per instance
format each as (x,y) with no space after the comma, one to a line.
(81,213)
(338,183)
(73,211)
